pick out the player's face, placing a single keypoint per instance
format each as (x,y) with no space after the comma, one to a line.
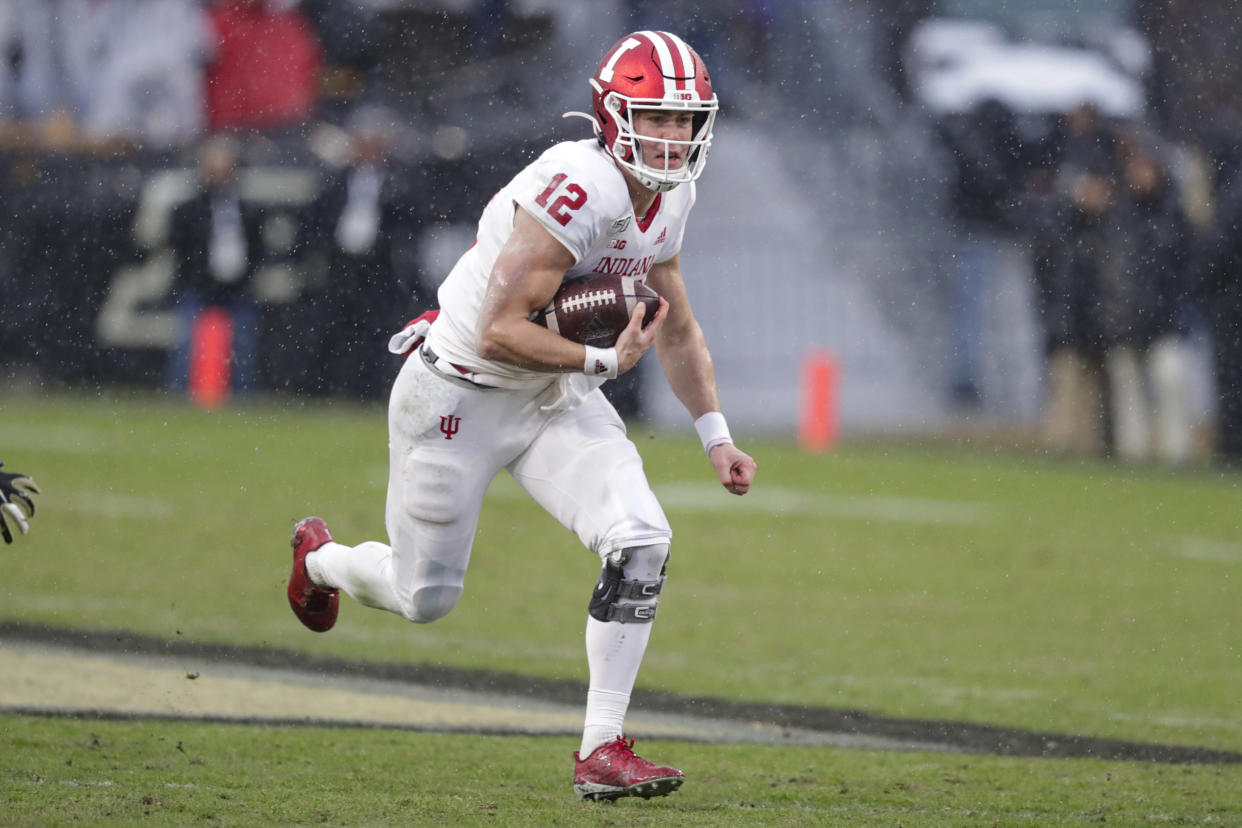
(665,126)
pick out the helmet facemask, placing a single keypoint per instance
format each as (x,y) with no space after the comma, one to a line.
(650,70)
(626,148)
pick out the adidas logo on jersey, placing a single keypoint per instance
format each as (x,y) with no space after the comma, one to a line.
(663,233)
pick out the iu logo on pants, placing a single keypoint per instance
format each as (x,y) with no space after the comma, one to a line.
(449,426)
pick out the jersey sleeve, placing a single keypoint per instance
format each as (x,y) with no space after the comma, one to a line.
(563,196)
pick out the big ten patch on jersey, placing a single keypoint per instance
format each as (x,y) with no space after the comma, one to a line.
(632,244)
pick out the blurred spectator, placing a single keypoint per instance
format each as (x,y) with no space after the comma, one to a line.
(1221,291)
(348,30)
(488,20)
(216,240)
(1082,144)
(988,171)
(750,39)
(264,70)
(895,20)
(1073,232)
(354,41)
(705,26)
(358,219)
(1111,265)
(1143,304)
(101,75)
(30,91)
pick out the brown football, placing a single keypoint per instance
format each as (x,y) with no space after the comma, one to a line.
(593,310)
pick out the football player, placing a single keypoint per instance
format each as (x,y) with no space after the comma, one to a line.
(486,389)
(15,502)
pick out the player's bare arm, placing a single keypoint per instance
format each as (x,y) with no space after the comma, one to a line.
(528,272)
(687,364)
(681,347)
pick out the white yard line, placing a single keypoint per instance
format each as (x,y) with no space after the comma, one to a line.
(710,497)
(113,505)
(1207,549)
(64,439)
(779,501)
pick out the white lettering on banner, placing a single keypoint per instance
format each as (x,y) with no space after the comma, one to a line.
(130,316)
(125,318)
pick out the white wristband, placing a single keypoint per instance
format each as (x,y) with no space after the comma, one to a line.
(713,430)
(600,362)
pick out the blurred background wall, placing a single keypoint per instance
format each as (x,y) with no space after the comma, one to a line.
(893,185)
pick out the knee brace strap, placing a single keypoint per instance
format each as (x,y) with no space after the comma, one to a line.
(640,590)
(612,587)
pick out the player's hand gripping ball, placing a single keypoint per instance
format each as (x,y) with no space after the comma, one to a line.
(594,310)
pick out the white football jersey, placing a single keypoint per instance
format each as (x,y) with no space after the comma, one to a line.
(579,196)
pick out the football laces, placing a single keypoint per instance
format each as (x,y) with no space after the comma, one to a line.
(586,301)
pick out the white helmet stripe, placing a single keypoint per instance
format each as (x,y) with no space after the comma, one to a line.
(665,59)
(606,73)
(683,52)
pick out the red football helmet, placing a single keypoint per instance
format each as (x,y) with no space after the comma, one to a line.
(653,70)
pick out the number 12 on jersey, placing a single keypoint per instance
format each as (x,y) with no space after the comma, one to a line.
(572,198)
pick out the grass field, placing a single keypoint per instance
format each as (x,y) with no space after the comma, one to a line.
(901,580)
(157,773)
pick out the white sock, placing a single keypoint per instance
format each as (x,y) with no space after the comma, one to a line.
(313,570)
(605,716)
(614,653)
(363,572)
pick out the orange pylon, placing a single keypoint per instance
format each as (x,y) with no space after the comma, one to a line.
(211,343)
(818,421)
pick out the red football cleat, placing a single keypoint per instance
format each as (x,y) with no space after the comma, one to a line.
(614,770)
(315,606)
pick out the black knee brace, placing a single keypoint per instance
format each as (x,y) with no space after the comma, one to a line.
(613,588)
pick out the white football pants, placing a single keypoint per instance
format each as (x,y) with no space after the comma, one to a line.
(447,440)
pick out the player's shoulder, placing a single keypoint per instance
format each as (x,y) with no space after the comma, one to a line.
(586,164)
(586,156)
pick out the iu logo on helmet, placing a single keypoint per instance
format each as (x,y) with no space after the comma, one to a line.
(449,426)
